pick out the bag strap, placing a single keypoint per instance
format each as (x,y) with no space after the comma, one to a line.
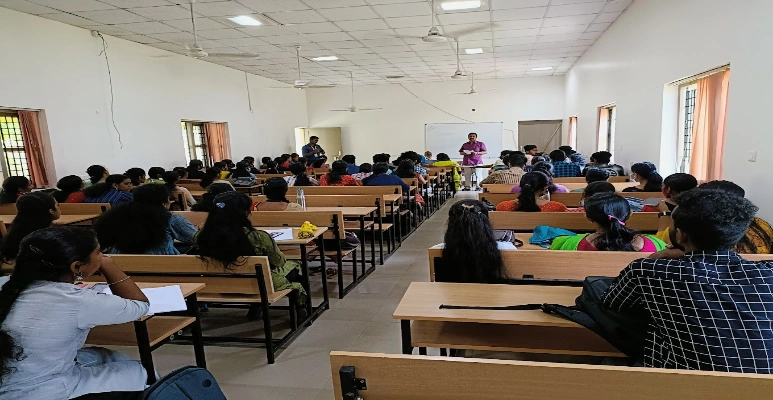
(504,308)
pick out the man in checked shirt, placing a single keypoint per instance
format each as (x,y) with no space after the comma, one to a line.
(710,309)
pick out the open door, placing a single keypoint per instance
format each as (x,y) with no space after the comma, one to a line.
(546,135)
(329,139)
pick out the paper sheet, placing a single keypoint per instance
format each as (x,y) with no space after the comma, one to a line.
(281,234)
(162,299)
(468,152)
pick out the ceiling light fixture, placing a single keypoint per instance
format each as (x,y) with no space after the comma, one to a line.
(460,5)
(325,58)
(474,51)
(245,20)
(542,68)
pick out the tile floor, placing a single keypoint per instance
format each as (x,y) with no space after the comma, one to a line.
(360,322)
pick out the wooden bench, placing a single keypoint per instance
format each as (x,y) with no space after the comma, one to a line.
(581,179)
(502,188)
(65,208)
(571,200)
(404,377)
(527,221)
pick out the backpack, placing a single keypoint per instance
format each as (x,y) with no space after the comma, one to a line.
(186,383)
(245,181)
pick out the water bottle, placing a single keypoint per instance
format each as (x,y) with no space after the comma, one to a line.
(300,198)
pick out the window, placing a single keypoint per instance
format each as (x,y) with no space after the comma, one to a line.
(13,155)
(572,137)
(606,133)
(686,116)
(195,141)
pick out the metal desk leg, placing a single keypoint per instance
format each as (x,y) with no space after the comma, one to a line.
(143,343)
(405,327)
(192,303)
(306,284)
(362,244)
(323,263)
(373,243)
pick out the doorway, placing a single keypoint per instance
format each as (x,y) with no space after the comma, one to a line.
(546,135)
(329,139)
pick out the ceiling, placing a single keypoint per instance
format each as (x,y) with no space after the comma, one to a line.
(372,38)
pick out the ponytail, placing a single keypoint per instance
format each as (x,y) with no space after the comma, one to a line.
(649,171)
(610,211)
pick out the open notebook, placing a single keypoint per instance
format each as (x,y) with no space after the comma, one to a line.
(162,299)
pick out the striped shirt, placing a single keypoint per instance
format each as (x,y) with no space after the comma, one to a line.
(511,176)
(112,196)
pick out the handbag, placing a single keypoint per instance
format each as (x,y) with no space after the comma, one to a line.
(186,383)
(246,181)
(507,236)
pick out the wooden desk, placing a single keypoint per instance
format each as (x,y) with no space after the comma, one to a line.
(197,194)
(153,331)
(248,189)
(63,220)
(392,198)
(521,330)
(361,213)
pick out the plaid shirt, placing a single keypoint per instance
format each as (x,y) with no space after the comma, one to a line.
(710,311)
(563,169)
(420,170)
(510,176)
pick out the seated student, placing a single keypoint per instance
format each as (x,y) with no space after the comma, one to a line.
(602,159)
(271,168)
(592,189)
(212,176)
(299,177)
(383,158)
(709,309)
(144,226)
(673,185)
(547,169)
(321,162)
(295,158)
(250,161)
(499,163)
(264,162)
(170,181)
(406,170)
(338,176)
(116,189)
(351,164)
(426,159)
(471,253)
(510,176)
(534,161)
(242,170)
(70,190)
(365,170)
(594,175)
(283,162)
(533,186)
(45,319)
(223,173)
(444,161)
(381,178)
(531,152)
(35,211)
(195,169)
(228,164)
(275,190)
(13,188)
(608,212)
(414,156)
(97,174)
(228,234)
(648,177)
(208,199)
(136,175)
(573,155)
(154,175)
(181,171)
(561,168)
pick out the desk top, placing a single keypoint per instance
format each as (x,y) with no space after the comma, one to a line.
(317,233)
(348,211)
(422,300)
(525,237)
(391,198)
(63,220)
(187,288)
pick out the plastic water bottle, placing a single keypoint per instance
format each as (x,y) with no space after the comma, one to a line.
(300,198)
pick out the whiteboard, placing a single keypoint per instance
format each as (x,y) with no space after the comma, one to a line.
(448,138)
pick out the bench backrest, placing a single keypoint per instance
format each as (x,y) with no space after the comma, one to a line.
(568,199)
(180,201)
(335,201)
(280,219)
(527,221)
(347,190)
(581,179)
(502,188)
(404,377)
(65,208)
(193,187)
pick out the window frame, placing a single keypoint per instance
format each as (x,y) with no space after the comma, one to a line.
(572,132)
(607,121)
(189,141)
(687,93)
(4,161)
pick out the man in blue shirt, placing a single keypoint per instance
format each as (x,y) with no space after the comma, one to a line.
(381,178)
(561,168)
(351,164)
(312,151)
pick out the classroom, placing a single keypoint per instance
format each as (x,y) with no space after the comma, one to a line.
(385,199)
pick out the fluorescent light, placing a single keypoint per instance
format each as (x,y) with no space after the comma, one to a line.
(245,20)
(460,5)
(542,69)
(325,58)
(474,51)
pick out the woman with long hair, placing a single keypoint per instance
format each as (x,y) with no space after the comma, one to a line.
(590,190)
(212,176)
(207,202)
(609,213)
(534,186)
(444,161)
(275,190)
(170,181)
(242,171)
(137,175)
(154,175)
(116,189)
(228,235)
(195,169)
(338,176)
(144,226)
(300,178)
(406,170)
(70,190)
(594,174)
(45,319)
(646,174)
(35,211)
(470,251)
(13,188)
(97,174)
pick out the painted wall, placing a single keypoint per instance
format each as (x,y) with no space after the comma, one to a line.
(57,68)
(399,125)
(659,41)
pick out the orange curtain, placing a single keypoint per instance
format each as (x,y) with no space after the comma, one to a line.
(571,139)
(30,132)
(217,141)
(708,132)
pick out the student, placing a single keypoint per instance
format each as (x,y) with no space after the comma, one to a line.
(561,168)
(208,199)
(212,176)
(35,211)
(351,164)
(312,151)
(648,177)
(406,170)
(284,162)
(136,175)
(223,172)
(510,176)
(381,178)
(531,151)
(534,161)
(271,168)
(144,226)
(444,161)
(13,188)
(594,174)
(673,185)
(97,174)
(602,159)
(547,169)
(414,156)
(116,189)
(592,189)
(195,169)
(170,181)
(708,308)
(295,158)
(242,170)
(45,319)
(338,176)
(154,175)
(275,190)
(471,254)
(182,172)
(228,164)
(573,156)
(365,170)
(70,190)
(321,162)
(251,164)
(300,178)
(427,158)
(383,158)
(533,186)
(499,163)
(264,162)
(609,213)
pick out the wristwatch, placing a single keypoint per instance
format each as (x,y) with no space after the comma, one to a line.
(664,214)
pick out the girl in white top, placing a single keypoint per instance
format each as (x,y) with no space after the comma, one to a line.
(45,318)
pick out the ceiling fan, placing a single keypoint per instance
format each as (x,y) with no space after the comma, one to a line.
(196,51)
(459,74)
(472,86)
(353,108)
(300,83)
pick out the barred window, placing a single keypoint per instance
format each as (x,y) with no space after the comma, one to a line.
(687,112)
(195,141)
(14,155)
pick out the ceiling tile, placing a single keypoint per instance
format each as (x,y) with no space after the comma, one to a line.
(139,39)
(108,30)
(263,6)
(145,28)
(409,22)
(509,4)
(334,3)
(598,27)
(382,42)
(26,7)
(377,34)
(136,3)
(403,10)
(363,25)
(516,33)
(318,27)
(357,53)
(607,17)
(519,13)
(557,30)
(558,38)
(329,37)
(222,9)
(222,34)
(177,37)
(348,13)
(591,35)
(555,45)
(70,19)
(163,13)
(75,6)
(515,41)
(115,16)
(297,17)
(464,18)
(576,9)
(266,30)
(251,41)
(350,44)
(518,24)
(201,23)
(616,5)
(285,39)
(572,20)
(391,49)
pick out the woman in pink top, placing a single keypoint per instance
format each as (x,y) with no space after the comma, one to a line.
(472,152)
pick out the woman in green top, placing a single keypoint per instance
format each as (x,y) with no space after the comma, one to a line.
(228,235)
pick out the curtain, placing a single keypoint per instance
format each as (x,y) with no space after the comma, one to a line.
(218,147)
(571,139)
(30,132)
(708,132)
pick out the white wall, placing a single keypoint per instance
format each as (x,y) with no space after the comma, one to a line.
(399,126)
(56,67)
(658,41)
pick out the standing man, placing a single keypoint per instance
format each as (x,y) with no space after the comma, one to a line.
(472,152)
(311,152)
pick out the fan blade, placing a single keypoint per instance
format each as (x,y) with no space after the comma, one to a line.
(342,109)
(469,31)
(369,109)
